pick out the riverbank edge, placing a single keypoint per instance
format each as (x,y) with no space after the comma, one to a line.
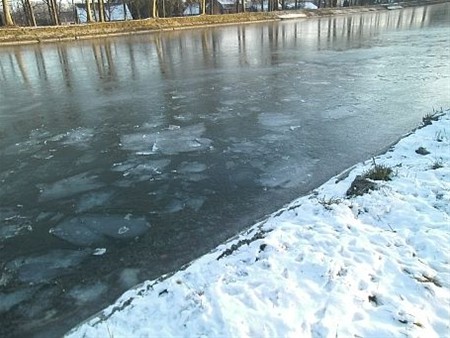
(10,36)
(259,230)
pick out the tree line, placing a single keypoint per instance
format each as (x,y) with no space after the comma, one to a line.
(52,12)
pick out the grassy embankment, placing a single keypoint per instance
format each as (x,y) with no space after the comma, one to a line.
(18,35)
(22,35)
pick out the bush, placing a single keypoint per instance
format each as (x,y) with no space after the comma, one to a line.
(378,172)
(365,182)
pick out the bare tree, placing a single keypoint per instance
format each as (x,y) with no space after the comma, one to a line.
(53,11)
(88,11)
(7,13)
(154,8)
(29,13)
(101,10)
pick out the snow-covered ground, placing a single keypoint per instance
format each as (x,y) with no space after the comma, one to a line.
(326,265)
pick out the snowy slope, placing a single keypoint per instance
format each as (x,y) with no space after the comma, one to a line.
(327,265)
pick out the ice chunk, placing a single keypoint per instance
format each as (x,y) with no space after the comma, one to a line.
(244,177)
(76,137)
(175,205)
(12,223)
(25,147)
(141,169)
(182,202)
(129,277)
(92,200)
(75,232)
(287,174)
(196,203)
(90,229)
(196,177)
(278,121)
(192,167)
(99,252)
(8,300)
(89,293)
(116,226)
(39,269)
(168,141)
(193,171)
(68,187)
(173,146)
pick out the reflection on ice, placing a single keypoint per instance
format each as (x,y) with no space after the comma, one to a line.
(90,229)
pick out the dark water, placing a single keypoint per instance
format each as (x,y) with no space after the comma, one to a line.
(158,147)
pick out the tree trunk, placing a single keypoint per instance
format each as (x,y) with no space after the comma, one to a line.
(88,11)
(154,12)
(95,18)
(101,10)
(29,12)
(203,7)
(56,11)
(53,12)
(7,14)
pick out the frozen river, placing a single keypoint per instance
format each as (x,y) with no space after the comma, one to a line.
(122,159)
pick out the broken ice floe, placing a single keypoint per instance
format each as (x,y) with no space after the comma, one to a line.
(129,277)
(180,203)
(289,174)
(90,229)
(99,252)
(43,268)
(192,167)
(141,170)
(8,300)
(193,171)
(282,122)
(87,293)
(93,199)
(76,137)
(12,223)
(68,186)
(168,141)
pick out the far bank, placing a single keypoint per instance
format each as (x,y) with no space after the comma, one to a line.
(31,35)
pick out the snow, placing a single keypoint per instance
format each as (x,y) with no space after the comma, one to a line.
(326,265)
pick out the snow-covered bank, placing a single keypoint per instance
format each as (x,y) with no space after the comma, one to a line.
(327,265)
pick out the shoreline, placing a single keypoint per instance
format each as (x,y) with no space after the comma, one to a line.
(374,254)
(47,34)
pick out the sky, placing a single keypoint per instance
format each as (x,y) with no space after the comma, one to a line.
(326,265)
